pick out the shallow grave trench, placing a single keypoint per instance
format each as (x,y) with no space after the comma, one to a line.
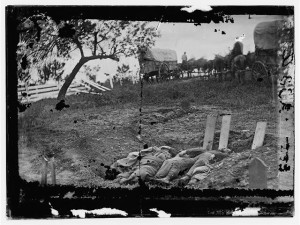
(231,172)
(81,147)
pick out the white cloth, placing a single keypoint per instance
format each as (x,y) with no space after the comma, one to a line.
(201,172)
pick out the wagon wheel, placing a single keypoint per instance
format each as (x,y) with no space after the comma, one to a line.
(163,72)
(259,71)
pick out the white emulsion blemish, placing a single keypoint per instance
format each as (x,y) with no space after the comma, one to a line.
(161,213)
(246,212)
(104,211)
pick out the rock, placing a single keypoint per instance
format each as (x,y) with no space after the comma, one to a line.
(170,115)
(158,115)
(219,165)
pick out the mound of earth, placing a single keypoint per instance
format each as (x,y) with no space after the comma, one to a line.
(232,172)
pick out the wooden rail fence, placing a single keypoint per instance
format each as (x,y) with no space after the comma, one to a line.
(38,92)
(221,76)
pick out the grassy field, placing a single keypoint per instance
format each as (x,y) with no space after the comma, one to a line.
(102,128)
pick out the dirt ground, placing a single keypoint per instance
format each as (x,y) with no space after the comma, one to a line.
(80,139)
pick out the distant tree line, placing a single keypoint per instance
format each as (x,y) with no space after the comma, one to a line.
(219,63)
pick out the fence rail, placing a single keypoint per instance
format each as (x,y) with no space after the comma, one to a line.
(224,75)
(38,92)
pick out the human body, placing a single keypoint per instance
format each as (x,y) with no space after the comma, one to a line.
(202,165)
(150,162)
(182,161)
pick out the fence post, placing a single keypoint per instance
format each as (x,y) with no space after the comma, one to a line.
(58,85)
(27,92)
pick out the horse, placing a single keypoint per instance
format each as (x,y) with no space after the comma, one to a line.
(186,66)
(238,67)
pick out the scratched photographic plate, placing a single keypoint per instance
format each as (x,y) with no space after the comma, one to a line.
(207,71)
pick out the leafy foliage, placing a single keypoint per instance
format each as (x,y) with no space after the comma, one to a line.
(287,42)
(94,39)
(219,63)
(51,70)
(91,71)
(122,71)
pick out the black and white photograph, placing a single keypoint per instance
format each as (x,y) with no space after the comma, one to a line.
(144,111)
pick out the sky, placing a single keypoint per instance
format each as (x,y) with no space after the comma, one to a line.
(196,41)
(203,41)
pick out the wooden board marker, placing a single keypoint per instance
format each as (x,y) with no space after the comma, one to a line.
(259,135)
(44,172)
(224,135)
(53,175)
(209,132)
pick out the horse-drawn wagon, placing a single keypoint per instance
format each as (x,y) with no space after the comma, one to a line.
(266,40)
(159,64)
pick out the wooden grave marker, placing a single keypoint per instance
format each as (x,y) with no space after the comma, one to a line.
(44,172)
(257,174)
(52,168)
(209,132)
(224,135)
(259,135)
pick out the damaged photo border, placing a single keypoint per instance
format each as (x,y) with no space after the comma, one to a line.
(190,203)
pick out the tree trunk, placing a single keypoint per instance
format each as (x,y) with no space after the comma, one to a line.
(69,79)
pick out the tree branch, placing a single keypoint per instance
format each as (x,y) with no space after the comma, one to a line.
(95,43)
(78,45)
(88,58)
(287,56)
(101,49)
(43,48)
(40,55)
(103,36)
(73,49)
(114,48)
